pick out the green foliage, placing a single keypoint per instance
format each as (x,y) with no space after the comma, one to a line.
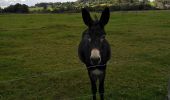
(34,9)
(17,8)
(39,61)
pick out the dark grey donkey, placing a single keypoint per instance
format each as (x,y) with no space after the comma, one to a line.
(94,50)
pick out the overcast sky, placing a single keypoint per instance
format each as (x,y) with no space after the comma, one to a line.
(4,3)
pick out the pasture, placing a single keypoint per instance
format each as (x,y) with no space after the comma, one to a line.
(39,60)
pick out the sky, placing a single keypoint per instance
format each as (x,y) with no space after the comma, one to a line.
(4,3)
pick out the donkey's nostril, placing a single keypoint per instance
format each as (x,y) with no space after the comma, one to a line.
(95,61)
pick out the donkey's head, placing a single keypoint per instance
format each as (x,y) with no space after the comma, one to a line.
(95,34)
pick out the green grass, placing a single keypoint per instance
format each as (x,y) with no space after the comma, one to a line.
(38,57)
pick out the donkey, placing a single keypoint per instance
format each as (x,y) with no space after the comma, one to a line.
(168,97)
(94,50)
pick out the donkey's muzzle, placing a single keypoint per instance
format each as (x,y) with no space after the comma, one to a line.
(95,56)
(95,61)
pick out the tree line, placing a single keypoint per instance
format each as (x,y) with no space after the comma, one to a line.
(92,5)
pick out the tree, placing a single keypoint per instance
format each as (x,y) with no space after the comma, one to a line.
(17,8)
(42,5)
(1,10)
(25,8)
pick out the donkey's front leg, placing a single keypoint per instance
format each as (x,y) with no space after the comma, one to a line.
(94,89)
(101,85)
(93,85)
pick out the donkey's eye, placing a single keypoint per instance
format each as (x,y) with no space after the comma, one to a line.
(102,38)
(89,39)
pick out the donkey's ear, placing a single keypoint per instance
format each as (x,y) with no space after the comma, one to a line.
(86,17)
(105,16)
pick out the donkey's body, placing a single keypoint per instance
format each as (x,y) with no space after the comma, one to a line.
(94,50)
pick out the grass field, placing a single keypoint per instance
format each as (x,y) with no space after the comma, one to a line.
(39,61)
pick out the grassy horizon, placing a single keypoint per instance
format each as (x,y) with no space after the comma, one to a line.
(39,61)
